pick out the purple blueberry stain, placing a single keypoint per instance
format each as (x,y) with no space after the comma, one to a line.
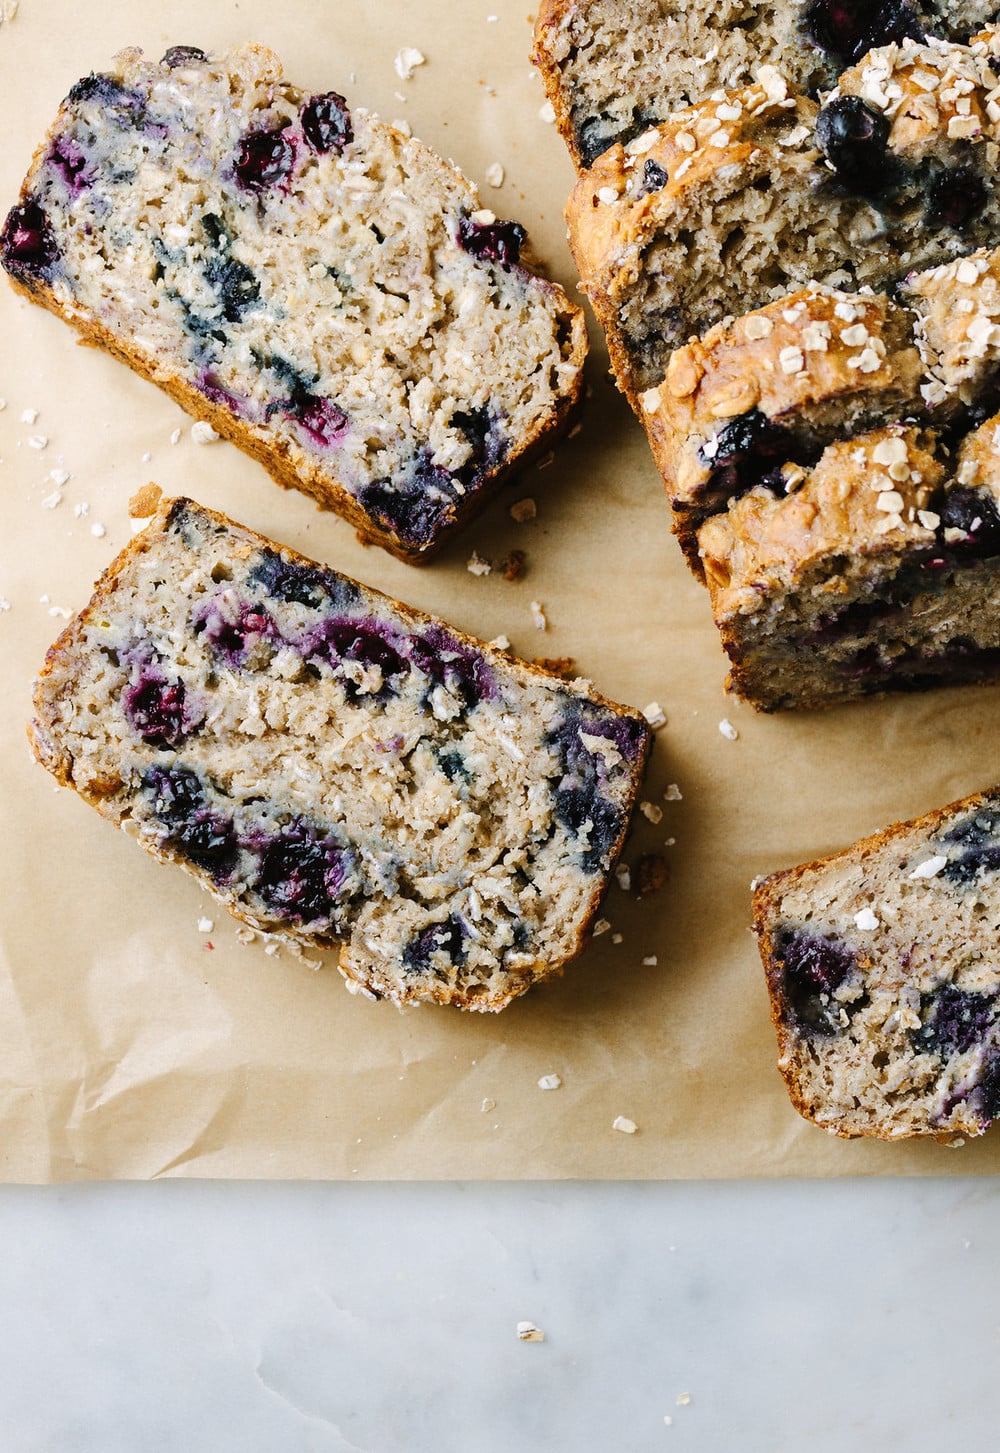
(69,161)
(193,830)
(955,198)
(264,159)
(654,179)
(368,643)
(974,512)
(488,445)
(813,968)
(234,284)
(301,873)
(491,241)
(438,940)
(208,383)
(27,243)
(238,631)
(953,1020)
(307,585)
(326,123)
(985,1098)
(175,793)
(977,841)
(159,710)
(748,450)
(853,137)
(123,107)
(448,662)
(322,421)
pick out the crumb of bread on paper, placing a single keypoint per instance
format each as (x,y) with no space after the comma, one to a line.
(523,510)
(145,502)
(651,812)
(601,926)
(549,1082)
(655,715)
(495,174)
(203,433)
(623,877)
(538,616)
(673,793)
(528,1332)
(407,60)
(478,564)
(650,961)
(728,730)
(624,1125)
(512,565)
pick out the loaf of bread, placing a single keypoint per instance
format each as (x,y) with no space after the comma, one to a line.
(883,968)
(335,766)
(321,288)
(613,68)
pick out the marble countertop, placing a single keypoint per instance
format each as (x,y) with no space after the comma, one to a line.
(708,1317)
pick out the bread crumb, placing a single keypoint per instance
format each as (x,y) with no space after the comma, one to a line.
(522,510)
(501,643)
(601,926)
(245,934)
(651,812)
(616,938)
(407,61)
(538,616)
(655,715)
(29,416)
(203,433)
(512,565)
(650,961)
(683,1399)
(549,1082)
(205,925)
(728,730)
(623,877)
(59,477)
(673,793)
(488,1105)
(38,441)
(145,501)
(52,500)
(175,437)
(478,565)
(528,1332)
(624,1125)
(547,113)
(651,872)
(494,174)
(98,530)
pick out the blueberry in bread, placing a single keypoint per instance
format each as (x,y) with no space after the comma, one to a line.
(323,289)
(613,68)
(884,976)
(335,766)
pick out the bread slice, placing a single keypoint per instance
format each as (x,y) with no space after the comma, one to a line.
(321,288)
(334,766)
(884,975)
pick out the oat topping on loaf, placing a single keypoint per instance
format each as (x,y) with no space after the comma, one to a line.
(321,288)
(884,976)
(334,766)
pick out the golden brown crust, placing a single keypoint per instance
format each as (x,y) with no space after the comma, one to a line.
(551,19)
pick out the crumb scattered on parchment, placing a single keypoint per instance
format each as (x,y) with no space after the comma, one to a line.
(245,934)
(616,938)
(203,433)
(59,477)
(30,416)
(601,926)
(512,565)
(51,501)
(728,730)
(205,925)
(4,604)
(673,793)
(38,441)
(97,530)
(407,61)
(488,1105)
(528,1332)
(175,437)
(145,501)
(547,113)
(651,812)
(478,564)
(501,643)
(538,616)
(624,1125)
(495,174)
(623,877)
(563,666)
(650,961)
(655,715)
(651,872)
(523,510)
(549,1082)
(683,1399)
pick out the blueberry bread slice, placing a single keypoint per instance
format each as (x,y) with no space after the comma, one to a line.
(754,193)
(321,288)
(878,572)
(613,68)
(884,976)
(335,766)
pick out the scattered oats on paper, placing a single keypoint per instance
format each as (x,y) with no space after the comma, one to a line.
(549,1082)
(655,715)
(728,730)
(407,61)
(624,1125)
(528,1332)
(203,433)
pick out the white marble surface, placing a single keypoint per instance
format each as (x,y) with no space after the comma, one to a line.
(822,1316)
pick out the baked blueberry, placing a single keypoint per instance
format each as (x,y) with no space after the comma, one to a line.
(27,242)
(491,241)
(813,968)
(326,122)
(263,160)
(853,137)
(160,711)
(301,873)
(953,1020)
(955,198)
(445,940)
(848,29)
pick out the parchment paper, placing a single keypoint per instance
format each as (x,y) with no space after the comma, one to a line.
(133,1043)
